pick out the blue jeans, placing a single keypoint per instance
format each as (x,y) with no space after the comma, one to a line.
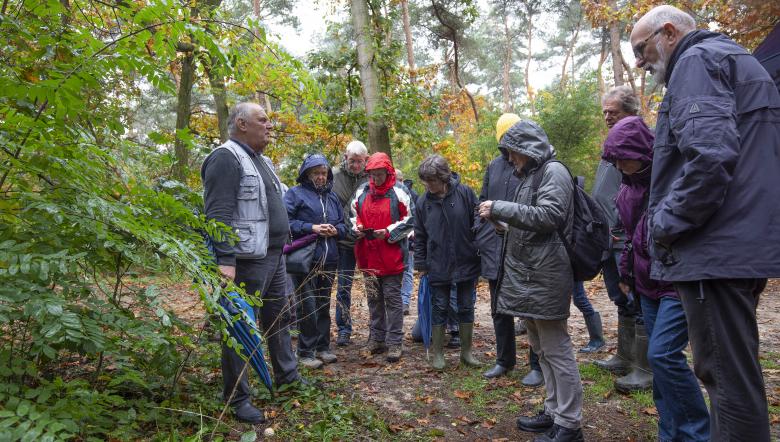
(440,297)
(581,301)
(346,269)
(407,284)
(682,413)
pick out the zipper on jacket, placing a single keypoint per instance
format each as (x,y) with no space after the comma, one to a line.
(325,221)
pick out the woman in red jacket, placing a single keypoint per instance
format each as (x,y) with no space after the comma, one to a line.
(381,213)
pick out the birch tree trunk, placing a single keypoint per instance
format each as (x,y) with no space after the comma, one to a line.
(378,134)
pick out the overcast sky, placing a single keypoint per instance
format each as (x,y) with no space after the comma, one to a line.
(314,15)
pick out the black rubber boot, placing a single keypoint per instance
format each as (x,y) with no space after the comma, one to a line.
(640,377)
(596,343)
(621,362)
(437,347)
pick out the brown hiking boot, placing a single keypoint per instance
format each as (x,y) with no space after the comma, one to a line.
(376,347)
(394,353)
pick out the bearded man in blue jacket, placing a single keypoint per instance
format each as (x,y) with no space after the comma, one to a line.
(714,208)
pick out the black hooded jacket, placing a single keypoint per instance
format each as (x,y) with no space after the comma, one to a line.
(444,242)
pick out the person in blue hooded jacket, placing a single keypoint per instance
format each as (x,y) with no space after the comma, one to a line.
(714,208)
(313,208)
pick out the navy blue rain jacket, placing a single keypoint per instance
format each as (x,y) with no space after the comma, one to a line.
(307,205)
(715,192)
(444,242)
(499,184)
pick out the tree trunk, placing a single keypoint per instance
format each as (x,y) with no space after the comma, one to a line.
(183,113)
(629,72)
(529,38)
(408,35)
(570,53)
(507,64)
(614,43)
(378,134)
(602,59)
(217,83)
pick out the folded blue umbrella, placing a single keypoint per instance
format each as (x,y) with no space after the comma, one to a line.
(424,311)
(241,323)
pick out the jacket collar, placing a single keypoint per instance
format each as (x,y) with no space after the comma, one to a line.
(248,149)
(691,39)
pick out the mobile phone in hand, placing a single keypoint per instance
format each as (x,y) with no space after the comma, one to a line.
(368,232)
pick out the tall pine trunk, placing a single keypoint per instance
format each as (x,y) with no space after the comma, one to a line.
(506,67)
(408,35)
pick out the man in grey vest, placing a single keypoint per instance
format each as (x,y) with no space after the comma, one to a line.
(241,190)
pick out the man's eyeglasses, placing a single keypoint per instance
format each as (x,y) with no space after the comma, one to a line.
(639,49)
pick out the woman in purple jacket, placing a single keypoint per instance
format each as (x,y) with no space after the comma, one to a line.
(678,399)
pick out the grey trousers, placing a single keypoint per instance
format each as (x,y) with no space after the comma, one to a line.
(386,308)
(551,341)
(267,276)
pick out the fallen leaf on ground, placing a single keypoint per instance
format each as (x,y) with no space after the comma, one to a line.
(426,399)
(650,410)
(462,394)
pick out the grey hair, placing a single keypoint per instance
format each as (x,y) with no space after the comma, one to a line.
(434,167)
(239,111)
(625,96)
(660,15)
(356,147)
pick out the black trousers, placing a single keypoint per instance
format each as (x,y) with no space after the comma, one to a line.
(504,326)
(312,294)
(267,276)
(721,315)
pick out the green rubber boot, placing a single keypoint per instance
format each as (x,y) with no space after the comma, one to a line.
(466,335)
(437,347)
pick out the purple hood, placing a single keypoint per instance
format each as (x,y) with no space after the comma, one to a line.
(631,139)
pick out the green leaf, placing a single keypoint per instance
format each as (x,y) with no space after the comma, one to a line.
(249,436)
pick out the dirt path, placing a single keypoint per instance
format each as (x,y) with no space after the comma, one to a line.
(459,404)
(417,403)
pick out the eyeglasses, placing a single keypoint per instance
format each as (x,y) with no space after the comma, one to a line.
(639,49)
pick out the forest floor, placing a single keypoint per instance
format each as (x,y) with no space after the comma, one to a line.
(364,397)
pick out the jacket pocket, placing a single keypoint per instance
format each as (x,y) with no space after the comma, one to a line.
(249,188)
(247,238)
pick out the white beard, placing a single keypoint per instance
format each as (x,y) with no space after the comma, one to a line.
(659,67)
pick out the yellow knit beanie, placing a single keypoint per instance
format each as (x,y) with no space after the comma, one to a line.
(503,124)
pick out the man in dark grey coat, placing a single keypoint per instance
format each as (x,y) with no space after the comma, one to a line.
(714,207)
(536,280)
(346,180)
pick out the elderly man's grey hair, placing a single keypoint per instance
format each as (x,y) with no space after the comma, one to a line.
(669,14)
(435,167)
(356,147)
(625,96)
(239,111)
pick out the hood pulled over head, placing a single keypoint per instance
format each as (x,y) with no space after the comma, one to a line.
(527,138)
(381,160)
(629,139)
(314,160)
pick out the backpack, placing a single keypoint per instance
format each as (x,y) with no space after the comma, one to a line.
(590,229)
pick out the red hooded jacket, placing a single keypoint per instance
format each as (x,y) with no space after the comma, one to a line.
(390,207)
